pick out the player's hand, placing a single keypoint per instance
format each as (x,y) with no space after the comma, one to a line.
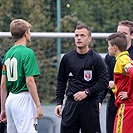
(80,96)
(58,111)
(123,95)
(100,106)
(39,112)
(111,84)
(3,117)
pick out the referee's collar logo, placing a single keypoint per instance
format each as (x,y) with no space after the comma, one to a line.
(70,74)
(87,75)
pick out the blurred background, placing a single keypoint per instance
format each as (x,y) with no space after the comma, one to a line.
(60,16)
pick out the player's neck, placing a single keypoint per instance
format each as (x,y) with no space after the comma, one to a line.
(129,45)
(117,52)
(21,41)
(82,50)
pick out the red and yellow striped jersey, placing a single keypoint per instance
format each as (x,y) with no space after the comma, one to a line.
(122,78)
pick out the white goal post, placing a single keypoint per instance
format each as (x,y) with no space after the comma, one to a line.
(56,35)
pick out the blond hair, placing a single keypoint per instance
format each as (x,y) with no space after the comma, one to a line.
(18,27)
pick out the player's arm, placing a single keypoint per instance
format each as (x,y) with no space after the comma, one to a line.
(33,91)
(128,69)
(58,111)
(61,86)
(108,60)
(3,98)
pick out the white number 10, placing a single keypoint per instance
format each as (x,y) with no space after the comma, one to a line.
(11,67)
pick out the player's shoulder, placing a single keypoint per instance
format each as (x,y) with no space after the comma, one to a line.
(94,54)
(130,50)
(70,54)
(109,57)
(28,50)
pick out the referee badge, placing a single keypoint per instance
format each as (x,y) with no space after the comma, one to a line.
(87,75)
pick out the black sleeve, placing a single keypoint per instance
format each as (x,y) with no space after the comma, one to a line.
(110,62)
(61,81)
(101,74)
(130,50)
(102,95)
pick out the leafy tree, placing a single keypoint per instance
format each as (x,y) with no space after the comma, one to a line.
(45,49)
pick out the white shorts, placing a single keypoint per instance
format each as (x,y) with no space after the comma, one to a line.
(20,113)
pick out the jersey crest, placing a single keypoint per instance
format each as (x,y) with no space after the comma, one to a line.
(87,75)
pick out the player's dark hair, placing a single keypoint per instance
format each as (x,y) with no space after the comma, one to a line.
(118,39)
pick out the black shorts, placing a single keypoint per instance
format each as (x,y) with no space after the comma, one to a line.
(83,115)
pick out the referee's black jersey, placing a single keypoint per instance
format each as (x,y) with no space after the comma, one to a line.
(82,71)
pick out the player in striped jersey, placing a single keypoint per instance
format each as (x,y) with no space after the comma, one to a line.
(123,76)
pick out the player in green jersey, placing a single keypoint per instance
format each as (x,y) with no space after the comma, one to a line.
(22,106)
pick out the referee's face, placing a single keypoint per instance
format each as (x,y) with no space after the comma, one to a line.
(82,38)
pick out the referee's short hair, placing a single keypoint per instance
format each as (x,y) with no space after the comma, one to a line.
(83,26)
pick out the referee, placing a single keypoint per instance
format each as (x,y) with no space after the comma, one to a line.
(85,72)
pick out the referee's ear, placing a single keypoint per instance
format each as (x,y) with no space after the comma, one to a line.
(89,39)
(131,36)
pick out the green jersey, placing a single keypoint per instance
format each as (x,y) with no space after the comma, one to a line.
(18,63)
